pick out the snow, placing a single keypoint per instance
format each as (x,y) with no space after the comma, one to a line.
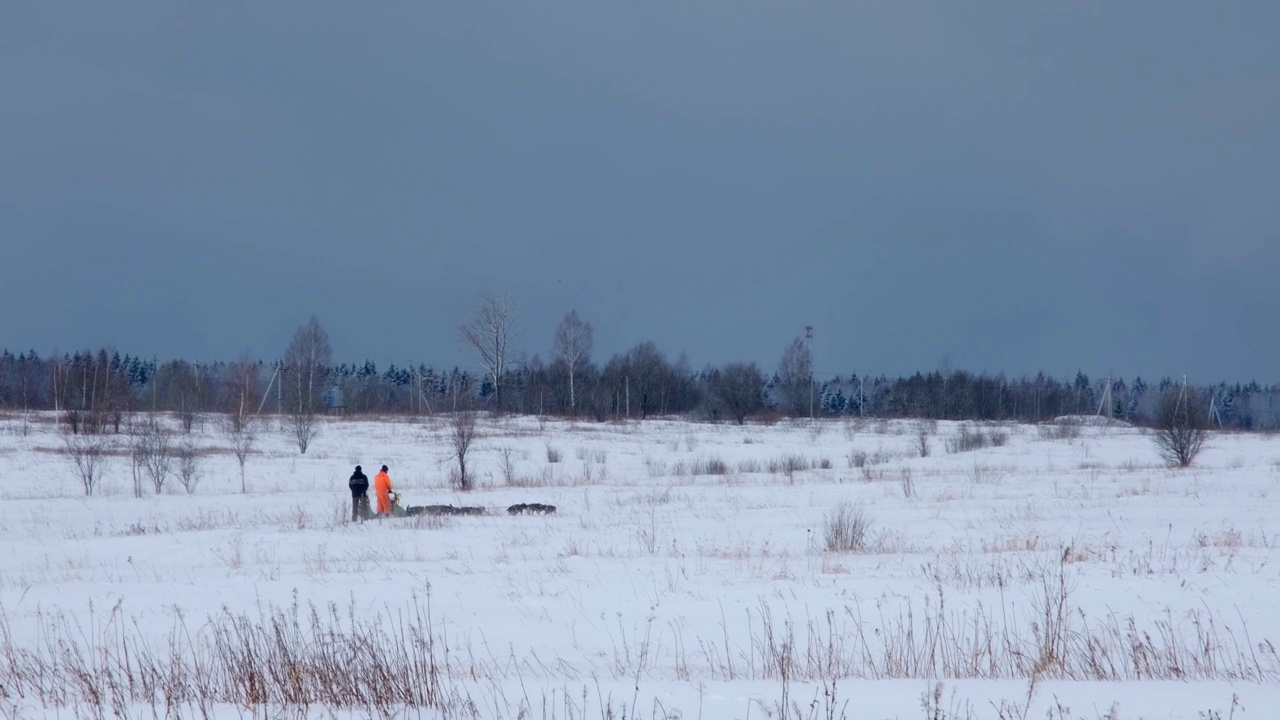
(662,587)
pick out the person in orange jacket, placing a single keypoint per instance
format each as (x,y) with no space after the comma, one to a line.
(382,485)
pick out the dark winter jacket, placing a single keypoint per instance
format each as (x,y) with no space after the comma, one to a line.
(359,484)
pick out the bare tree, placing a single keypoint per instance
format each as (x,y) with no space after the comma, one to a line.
(27,373)
(740,389)
(1181,425)
(188,459)
(85,385)
(135,457)
(145,444)
(243,437)
(572,347)
(489,334)
(151,450)
(306,364)
(243,387)
(88,454)
(648,380)
(184,391)
(795,378)
(241,392)
(462,433)
(119,395)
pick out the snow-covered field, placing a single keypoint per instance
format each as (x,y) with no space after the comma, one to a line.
(686,573)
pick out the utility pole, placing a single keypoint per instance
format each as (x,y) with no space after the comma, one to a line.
(267,393)
(56,400)
(808,346)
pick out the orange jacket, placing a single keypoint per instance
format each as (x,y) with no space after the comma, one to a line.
(382,483)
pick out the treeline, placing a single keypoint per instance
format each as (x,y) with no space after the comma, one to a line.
(96,390)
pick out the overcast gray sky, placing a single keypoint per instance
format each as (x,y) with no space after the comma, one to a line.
(1004,186)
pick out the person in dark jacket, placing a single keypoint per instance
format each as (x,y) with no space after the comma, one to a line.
(359,485)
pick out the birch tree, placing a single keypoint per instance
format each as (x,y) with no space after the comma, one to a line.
(306,368)
(242,390)
(572,347)
(488,334)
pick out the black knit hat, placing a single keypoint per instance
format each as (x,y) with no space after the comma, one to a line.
(357,468)
(384,468)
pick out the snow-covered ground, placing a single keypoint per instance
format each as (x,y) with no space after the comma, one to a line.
(1058,574)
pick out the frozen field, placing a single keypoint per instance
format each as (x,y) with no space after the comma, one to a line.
(1049,574)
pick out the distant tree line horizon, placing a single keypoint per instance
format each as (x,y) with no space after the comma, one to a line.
(97,389)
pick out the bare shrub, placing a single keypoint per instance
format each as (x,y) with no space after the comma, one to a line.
(908,483)
(303,428)
(846,528)
(970,439)
(853,426)
(1181,425)
(983,475)
(88,454)
(508,465)
(788,465)
(462,433)
(857,458)
(655,468)
(153,450)
(188,457)
(923,430)
(1062,429)
(967,440)
(554,455)
(710,466)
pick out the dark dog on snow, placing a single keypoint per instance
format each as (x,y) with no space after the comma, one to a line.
(531,509)
(443,510)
